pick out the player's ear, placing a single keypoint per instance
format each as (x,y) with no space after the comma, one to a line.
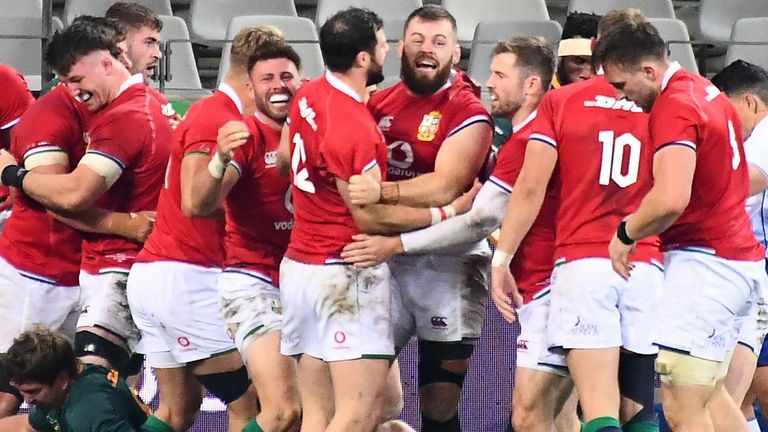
(399,49)
(363,59)
(249,86)
(456,54)
(649,71)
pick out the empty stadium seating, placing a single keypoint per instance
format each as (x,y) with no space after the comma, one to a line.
(469,13)
(749,30)
(651,8)
(209,19)
(74,8)
(674,30)
(179,67)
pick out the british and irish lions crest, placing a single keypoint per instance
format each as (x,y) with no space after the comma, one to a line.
(429,126)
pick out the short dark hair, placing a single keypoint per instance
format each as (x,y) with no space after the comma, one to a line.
(346,34)
(580,24)
(742,77)
(134,16)
(533,53)
(111,27)
(40,356)
(630,43)
(274,50)
(77,41)
(617,17)
(431,12)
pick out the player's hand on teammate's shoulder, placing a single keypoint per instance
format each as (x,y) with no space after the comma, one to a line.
(463,203)
(504,293)
(368,251)
(364,189)
(231,136)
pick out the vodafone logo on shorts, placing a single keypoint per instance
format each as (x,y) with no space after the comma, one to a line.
(340,340)
(185,344)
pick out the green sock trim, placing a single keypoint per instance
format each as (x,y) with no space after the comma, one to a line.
(639,426)
(596,424)
(252,426)
(154,424)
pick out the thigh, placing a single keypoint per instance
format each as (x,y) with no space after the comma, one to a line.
(316,389)
(187,310)
(638,301)
(445,294)
(178,389)
(584,310)
(250,306)
(105,305)
(702,298)
(26,301)
(274,375)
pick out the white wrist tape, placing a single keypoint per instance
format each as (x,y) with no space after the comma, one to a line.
(501,259)
(440,214)
(217,166)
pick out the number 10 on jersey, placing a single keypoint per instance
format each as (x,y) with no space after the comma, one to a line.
(612,160)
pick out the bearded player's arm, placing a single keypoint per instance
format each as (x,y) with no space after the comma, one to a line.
(458,161)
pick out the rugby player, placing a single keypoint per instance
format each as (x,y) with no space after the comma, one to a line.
(14,100)
(187,345)
(438,136)
(600,320)
(575,48)
(66,394)
(122,171)
(715,270)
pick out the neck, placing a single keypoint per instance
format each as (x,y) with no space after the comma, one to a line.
(353,79)
(238,82)
(520,115)
(274,124)
(120,78)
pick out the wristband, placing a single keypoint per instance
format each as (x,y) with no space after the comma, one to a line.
(501,259)
(390,193)
(217,166)
(13,175)
(621,234)
(440,214)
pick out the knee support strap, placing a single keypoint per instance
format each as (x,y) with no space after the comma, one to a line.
(431,357)
(636,382)
(227,386)
(677,368)
(133,365)
(88,343)
(451,425)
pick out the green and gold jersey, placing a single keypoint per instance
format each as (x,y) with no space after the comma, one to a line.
(99,401)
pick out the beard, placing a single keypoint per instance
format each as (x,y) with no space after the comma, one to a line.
(422,86)
(375,74)
(562,75)
(263,106)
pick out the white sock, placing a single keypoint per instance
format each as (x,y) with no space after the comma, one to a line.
(753,426)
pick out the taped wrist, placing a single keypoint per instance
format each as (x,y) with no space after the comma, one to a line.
(217,166)
(440,214)
(501,259)
(13,175)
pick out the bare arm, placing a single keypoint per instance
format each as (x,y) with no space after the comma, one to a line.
(673,169)
(204,182)
(758,181)
(16,423)
(72,192)
(457,164)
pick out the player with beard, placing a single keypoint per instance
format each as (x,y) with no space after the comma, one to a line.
(121,171)
(40,251)
(337,318)
(438,135)
(142,42)
(520,73)
(257,201)
(599,322)
(575,48)
(183,258)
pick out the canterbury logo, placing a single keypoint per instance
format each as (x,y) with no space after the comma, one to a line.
(438,321)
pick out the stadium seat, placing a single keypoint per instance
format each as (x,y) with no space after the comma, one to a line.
(488,33)
(394,31)
(675,30)
(24,54)
(749,30)
(469,13)
(717,17)
(210,19)
(651,8)
(301,30)
(386,9)
(18,8)
(75,8)
(183,69)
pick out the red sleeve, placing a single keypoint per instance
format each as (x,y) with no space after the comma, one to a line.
(245,156)
(468,110)
(15,97)
(110,139)
(509,162)
(674,122)
(543,127)
(351,152)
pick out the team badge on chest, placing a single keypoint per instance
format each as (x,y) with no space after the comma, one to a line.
(429,126)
